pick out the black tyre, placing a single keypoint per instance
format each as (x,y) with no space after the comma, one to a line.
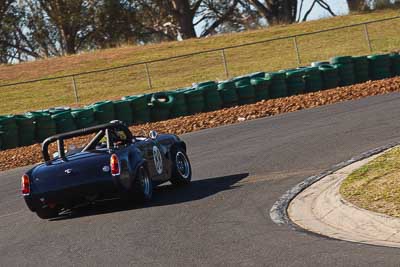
(182,170)
(47,213)
(143,186)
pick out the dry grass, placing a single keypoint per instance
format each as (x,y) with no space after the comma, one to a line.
(376,186)
(182,72)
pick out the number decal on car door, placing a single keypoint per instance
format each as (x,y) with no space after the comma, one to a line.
(157,160)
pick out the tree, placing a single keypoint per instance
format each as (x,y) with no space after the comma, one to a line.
(184,15)
(277,11)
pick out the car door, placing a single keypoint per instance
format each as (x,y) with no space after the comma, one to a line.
(155,157)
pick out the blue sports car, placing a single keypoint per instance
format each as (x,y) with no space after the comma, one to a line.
(113,163)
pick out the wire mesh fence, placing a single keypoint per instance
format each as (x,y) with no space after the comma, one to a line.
(216,64)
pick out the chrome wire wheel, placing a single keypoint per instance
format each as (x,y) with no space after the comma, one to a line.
(145,183)
(182,165)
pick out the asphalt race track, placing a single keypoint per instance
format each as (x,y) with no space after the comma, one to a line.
(223,217)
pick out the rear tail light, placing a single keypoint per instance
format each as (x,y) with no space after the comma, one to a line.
(114,165)
(25,185)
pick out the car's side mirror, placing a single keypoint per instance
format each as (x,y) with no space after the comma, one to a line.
(153,134)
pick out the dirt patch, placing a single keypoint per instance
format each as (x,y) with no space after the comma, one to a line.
(30,155)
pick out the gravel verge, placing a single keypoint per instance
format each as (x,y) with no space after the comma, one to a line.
(23,156)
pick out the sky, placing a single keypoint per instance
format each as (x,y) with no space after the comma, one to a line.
(339,7)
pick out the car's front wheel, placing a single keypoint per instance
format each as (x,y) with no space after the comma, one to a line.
(181,170)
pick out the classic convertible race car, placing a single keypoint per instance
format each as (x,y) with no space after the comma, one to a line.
(113,163)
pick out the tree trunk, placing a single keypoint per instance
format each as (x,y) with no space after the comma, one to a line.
(184,16)
(277,12)
(357,5)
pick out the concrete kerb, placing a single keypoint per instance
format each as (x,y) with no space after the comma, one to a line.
(279,211)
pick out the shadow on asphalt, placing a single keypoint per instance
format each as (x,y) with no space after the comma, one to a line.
(162,196)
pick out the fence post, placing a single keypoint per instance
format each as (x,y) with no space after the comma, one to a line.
(75,88)
(367,37)
(148,76)
(225,64)
(297,51)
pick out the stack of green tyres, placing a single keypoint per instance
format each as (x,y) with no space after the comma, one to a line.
(345,67)
(161,104)
(227,91)
(277,87)
(1,140)
(103,111)
(330,76)
(140,108)
(260,74)
(194,100)
(261,85)
(245,91)
(26,129)
(205,96)
(64,121)
(179,107)
(44,124)
(395,62)
(313,79)
(379,66)
(212,99)
(295,82)
(9,129)
(123,111)
(361,69)
(83,117)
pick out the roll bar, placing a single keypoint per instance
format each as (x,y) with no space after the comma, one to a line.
(59,138)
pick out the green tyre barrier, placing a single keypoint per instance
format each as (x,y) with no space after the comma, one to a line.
(341,60)
(295,82)
(277,87)
(140,108)
(242,81)
(313,79)
(123,111)
(395,64)
(195,101)
(361,69)
(26,130)
(254,75)
(246,94)
(64,122)
(261,88)
(379,66)
(206,83)
(212,99)
(179,107)
(83,118)
(330,76)
(346,74)
(161,104)
(9,129)
(1,140)
(345,67)
(45,126)
(227,91)
(103,111)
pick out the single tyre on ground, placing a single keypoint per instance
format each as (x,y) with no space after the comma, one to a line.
(162,103)
(182,170)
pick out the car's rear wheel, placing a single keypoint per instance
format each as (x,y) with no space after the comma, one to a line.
(143,186)
(47,213)
(181,170)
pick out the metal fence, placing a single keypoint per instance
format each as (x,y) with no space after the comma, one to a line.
(226,65)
